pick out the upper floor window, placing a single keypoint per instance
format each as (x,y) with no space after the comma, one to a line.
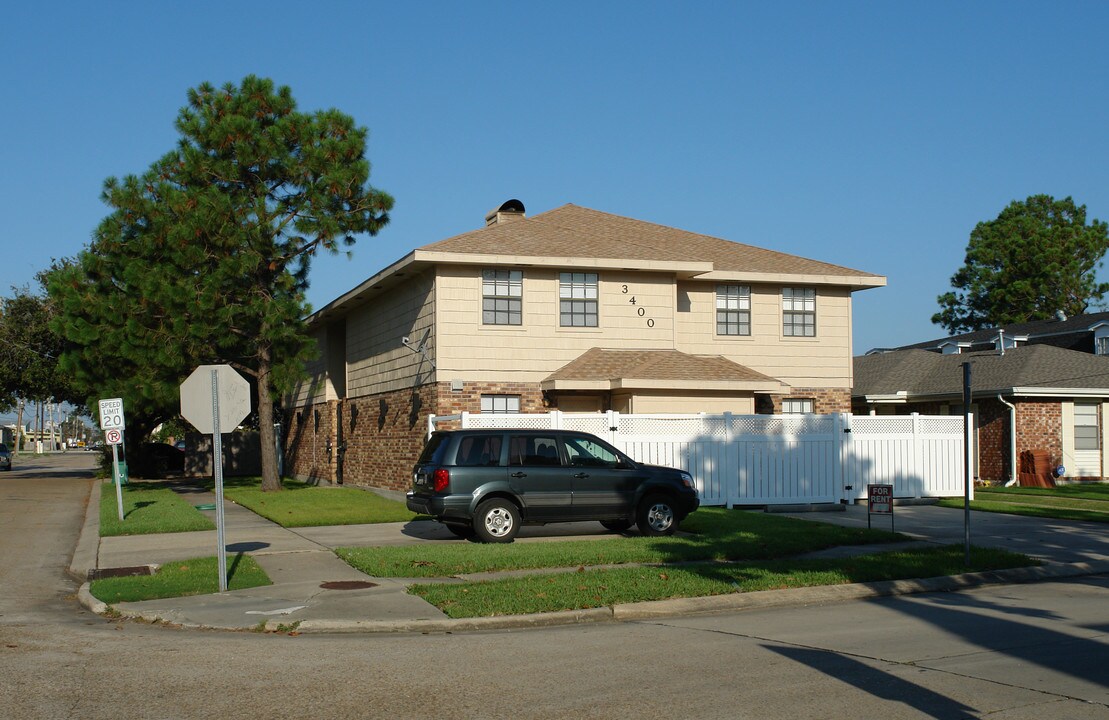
(500,403)
(733,310)
(799,312)
(1101,345)
(577,299)
(502,297)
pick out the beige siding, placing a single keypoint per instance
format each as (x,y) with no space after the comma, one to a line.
(377,360)
(820,362)
(529,352)
(314,388)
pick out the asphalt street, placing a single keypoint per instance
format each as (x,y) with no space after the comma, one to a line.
(1011,652)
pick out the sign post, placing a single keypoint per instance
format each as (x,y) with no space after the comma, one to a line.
(111,422)
(216,398)
(879,501)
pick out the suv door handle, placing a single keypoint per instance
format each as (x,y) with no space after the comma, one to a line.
(582,476)
(519,474)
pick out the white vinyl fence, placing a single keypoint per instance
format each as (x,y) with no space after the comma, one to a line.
(773,459)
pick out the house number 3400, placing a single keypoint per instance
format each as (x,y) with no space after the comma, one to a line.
(640,310)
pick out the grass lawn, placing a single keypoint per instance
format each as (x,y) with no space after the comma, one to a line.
(720,535)
(301,505)
(148,508)
(1067,502)
(178,579)
(600,588)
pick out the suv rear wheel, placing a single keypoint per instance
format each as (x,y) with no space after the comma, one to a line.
(655,516)
(496,521)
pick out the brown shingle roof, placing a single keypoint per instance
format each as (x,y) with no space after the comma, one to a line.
(923,373)
(573,231)
(621,366)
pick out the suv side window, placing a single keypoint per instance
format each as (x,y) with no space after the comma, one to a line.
(585,453)
(478,451)
(532,450)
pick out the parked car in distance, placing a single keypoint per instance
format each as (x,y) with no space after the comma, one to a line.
(486,483)
(5,457)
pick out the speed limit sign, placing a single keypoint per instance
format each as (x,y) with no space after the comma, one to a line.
(113,437)
(111,414)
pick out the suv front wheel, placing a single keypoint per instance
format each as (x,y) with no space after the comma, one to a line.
(496,521)
(656,517)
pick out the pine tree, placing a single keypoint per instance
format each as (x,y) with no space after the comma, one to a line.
(205,257)
(1037,258)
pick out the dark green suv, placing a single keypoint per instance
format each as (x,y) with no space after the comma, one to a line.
(486,483)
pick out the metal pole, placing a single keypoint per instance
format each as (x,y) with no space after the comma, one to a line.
(217,466)
(967,480)
(119,489)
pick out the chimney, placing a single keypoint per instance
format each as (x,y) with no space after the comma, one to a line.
(507,212)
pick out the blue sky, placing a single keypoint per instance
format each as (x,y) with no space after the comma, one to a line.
(872,135)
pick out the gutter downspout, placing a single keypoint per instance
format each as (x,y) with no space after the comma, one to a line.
(1012,441)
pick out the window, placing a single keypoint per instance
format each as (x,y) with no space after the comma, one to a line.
(797,406)
(733,310)
(577,294)
(501,297)
(527,450)
(479,451)
(500,403)
(799,312)
(1086,435)
(586,453)
(1101,345)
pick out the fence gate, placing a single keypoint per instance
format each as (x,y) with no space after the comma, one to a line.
(773,459)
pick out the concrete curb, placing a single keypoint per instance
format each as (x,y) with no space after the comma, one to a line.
(654,610)
(88,542)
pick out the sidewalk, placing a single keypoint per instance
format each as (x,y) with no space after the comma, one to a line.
(315,591)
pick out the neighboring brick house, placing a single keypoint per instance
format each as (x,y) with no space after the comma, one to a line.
(1054,398)
(572,309)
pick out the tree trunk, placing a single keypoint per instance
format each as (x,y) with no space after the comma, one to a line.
(270,480)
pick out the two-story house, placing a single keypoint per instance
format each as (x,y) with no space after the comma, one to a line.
(572,309)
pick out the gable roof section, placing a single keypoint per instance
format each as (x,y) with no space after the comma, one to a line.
(601,369)
(590,237)
(575,237)
(1030,370)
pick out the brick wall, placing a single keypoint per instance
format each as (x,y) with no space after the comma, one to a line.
(824,401)
(1040,427)
(993,441)
(384,433)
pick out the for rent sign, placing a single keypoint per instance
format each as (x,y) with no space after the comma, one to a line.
(879,501)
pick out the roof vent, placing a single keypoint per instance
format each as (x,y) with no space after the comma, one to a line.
(508,211)
(1060,315)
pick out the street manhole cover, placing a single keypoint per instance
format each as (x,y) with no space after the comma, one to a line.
(347,585)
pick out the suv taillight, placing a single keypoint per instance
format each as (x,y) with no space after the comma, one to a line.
(440,479)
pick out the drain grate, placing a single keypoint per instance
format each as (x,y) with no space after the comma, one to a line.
(99,573)
(347,585)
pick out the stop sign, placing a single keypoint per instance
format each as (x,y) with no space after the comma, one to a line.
(210,386)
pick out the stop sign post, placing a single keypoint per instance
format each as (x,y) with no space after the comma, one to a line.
(111,420)
(215,399)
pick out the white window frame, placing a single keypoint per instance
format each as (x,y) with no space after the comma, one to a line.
(577,299)
(502,297)
(799,312)
(1101,345)
(500,404)
(1087,416)
(733,310)
(798,406)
